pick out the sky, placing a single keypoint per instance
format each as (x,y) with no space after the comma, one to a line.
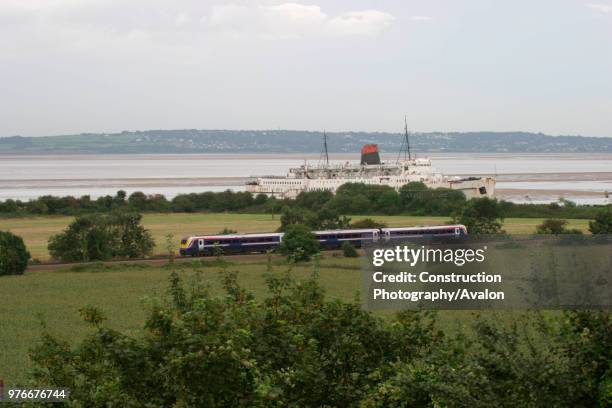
(72,66)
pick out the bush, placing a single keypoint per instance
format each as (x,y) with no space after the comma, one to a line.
(13,254)
(299,243)
(602,223)
(102,237)
(555,227)
(348,250)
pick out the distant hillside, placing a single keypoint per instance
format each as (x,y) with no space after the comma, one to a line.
(285,141)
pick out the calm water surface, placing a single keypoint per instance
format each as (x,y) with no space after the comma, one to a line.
(584,177)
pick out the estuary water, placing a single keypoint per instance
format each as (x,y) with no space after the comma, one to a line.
(584,178)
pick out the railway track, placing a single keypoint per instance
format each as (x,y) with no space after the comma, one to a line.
(153,261)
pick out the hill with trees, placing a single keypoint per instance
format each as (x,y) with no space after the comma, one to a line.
(296,141)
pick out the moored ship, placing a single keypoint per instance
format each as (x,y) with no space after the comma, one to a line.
(371,170)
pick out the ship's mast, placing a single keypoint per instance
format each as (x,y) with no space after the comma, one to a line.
(324,154)
(405,148)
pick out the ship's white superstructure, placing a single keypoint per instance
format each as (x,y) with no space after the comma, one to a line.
(326,177)
(393,174)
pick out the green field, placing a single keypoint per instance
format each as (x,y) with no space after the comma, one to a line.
(37,230)
(120,291)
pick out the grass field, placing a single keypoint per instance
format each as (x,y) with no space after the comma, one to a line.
(55,297)
(37,230)
(120,291)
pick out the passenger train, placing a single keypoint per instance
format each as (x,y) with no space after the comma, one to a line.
(203,245)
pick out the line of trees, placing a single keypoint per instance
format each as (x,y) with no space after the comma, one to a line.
(353,198)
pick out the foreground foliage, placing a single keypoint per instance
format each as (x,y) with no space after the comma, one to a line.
(13,254)
(298,348)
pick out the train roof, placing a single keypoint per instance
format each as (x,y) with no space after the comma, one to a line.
(261,235)
(348,231)
(420,227)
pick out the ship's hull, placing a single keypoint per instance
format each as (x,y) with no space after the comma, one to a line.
(290,187)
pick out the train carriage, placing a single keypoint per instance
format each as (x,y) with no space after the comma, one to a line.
(333,239)
(330,239)
(229,244)
(390,234)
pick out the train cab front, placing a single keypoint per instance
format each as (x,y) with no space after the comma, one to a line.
(186,247)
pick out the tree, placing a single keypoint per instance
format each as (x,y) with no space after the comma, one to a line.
(9,206)
(102,237)
(482,216)
(133,239)
(602,223)
(87,238)
(298,243)
(326,219)
(414,197)
(13,254)
(555,227)
(260,199)
(120,197)
(138,200)
(388,202)
(291,216)
(182,203)
(313,199)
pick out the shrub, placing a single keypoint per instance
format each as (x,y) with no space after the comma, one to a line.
(299,243)
(555,227)
(602,223)
(13,254)
(348,250)
(227,231)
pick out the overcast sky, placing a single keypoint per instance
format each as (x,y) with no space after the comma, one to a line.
(71,66)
